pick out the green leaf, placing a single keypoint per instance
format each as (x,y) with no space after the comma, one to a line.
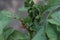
(3,23)
(51,5)
(8,14)
(51,33)
(58,28)
(2,37)
(53,2)
(8,32)
(17,36)
(40,35)
(36,26)
(55,18)
(53,8)
(5,19)
(27,20)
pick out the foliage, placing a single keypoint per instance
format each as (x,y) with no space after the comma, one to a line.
(9,33)
(42,22)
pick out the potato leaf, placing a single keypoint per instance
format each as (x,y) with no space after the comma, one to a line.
(40,35)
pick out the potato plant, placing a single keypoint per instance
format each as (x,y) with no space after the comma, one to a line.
(42,22)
